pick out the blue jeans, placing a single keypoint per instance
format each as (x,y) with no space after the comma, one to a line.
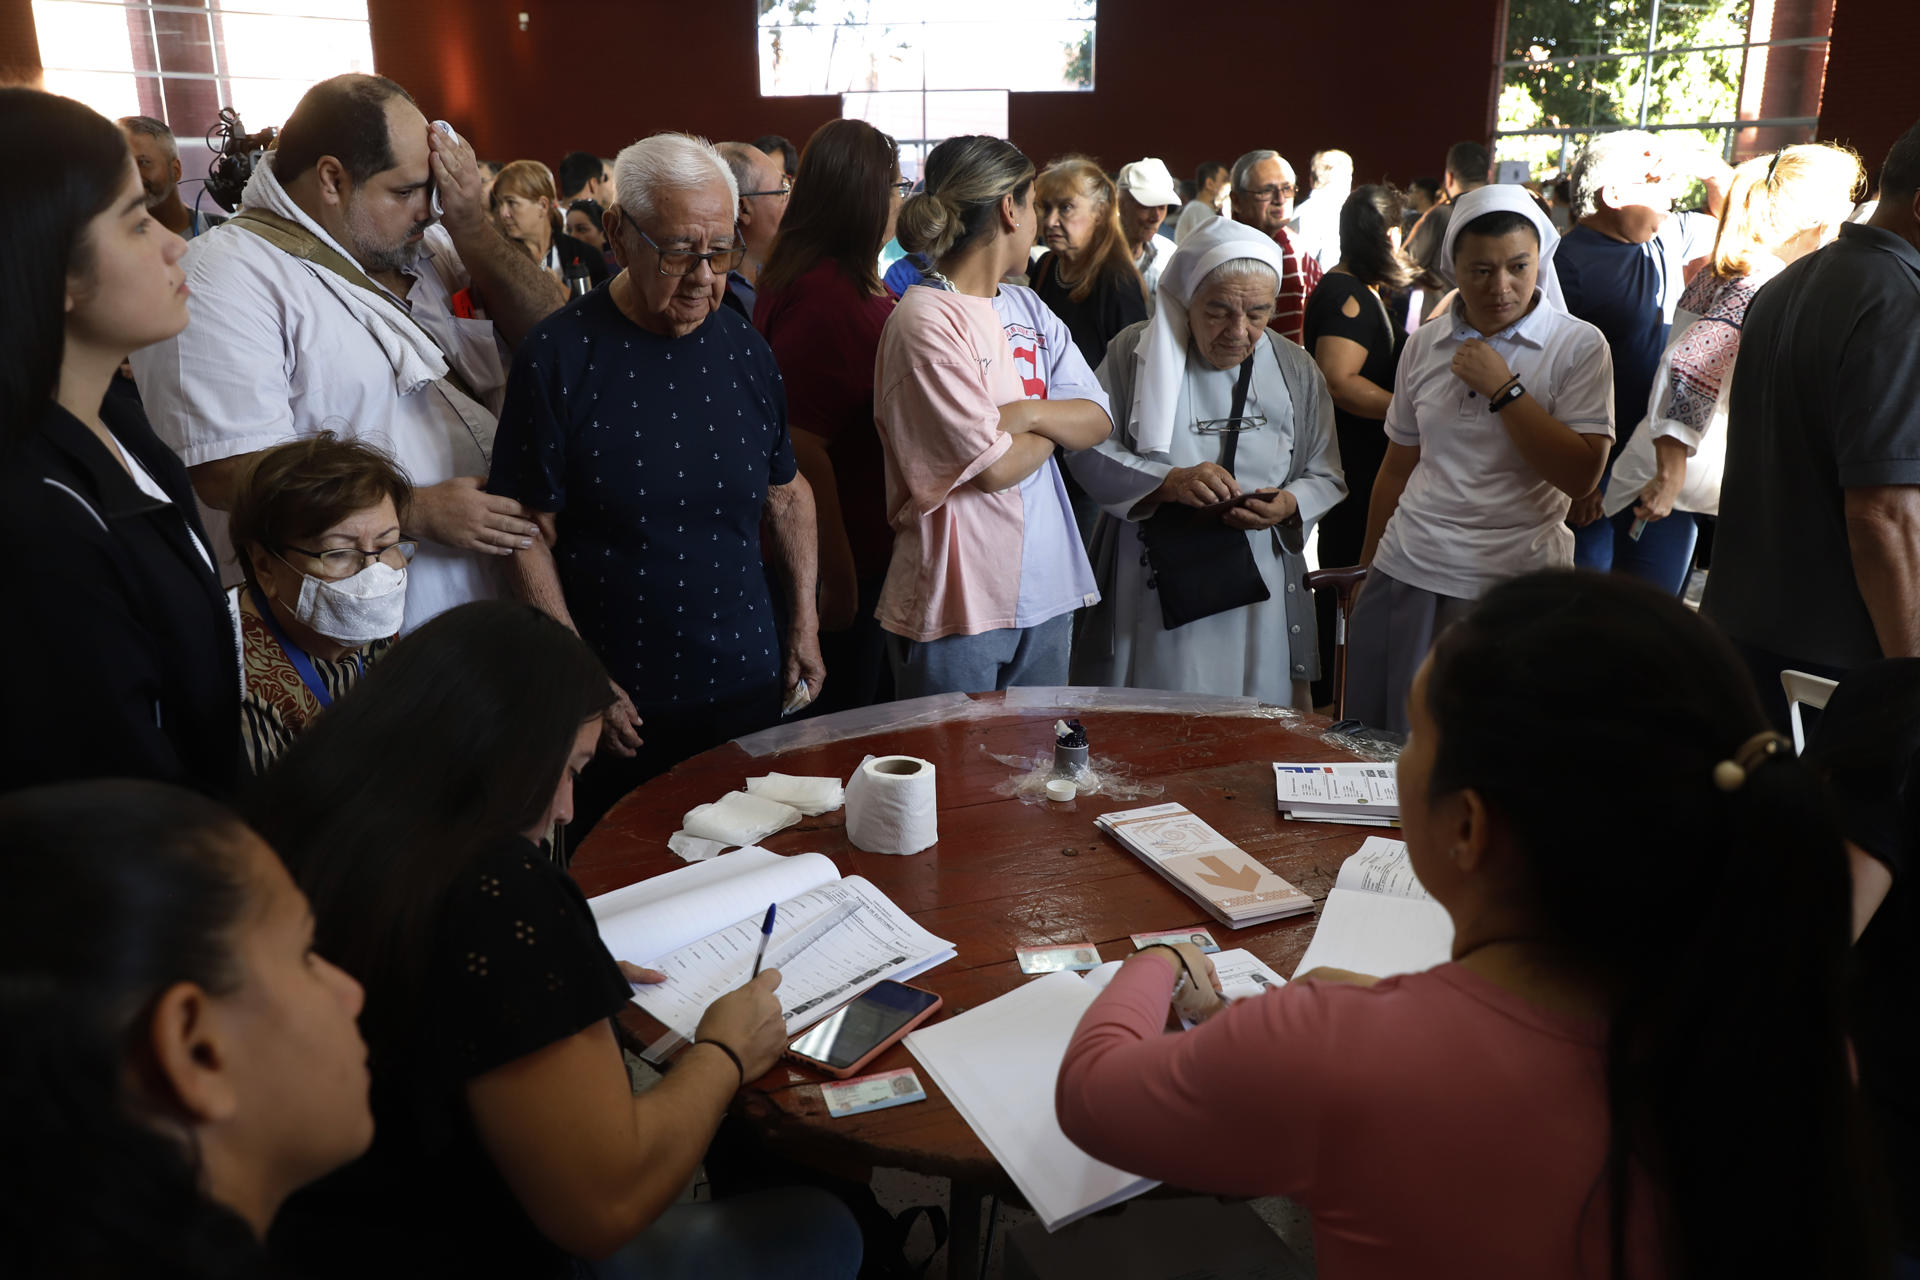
(795,1233)
(982,663)
(1664,553)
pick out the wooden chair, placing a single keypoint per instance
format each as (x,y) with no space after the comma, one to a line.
(1803,690)
(1343,583)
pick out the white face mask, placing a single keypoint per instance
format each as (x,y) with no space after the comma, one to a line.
(368,606)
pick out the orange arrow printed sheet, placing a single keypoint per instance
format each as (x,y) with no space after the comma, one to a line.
(1221,876)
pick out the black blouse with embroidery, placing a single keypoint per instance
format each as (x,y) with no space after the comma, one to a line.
(518,965)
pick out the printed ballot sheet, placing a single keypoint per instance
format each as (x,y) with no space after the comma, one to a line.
(873,942)
(1327,785)
(1378,919)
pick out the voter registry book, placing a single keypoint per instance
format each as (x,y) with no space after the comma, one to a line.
(1230,883)
(1378,918)
(1357,792)
(833,938)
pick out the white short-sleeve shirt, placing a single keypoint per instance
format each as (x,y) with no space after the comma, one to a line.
(270,355)
(1474,511)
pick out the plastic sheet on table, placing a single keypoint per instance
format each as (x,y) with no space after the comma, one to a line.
(1100,776)
(1163,701)
(912,713)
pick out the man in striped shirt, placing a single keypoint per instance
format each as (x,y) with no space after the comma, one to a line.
(1263,187)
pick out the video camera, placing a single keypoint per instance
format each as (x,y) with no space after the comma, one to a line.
(236,152)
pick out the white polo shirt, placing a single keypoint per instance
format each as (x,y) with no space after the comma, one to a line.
(1474,511)
(271,355)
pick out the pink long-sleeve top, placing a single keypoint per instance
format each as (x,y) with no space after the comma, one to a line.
(1436,1124)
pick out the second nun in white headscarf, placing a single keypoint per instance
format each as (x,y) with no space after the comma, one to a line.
(1170,381)
(1502,414)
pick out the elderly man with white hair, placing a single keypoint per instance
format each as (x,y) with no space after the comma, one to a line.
(645,426)
(1222,460)
(1263,190)
(1623,269)
(1316,220)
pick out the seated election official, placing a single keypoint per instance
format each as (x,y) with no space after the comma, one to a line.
(177,1057)
(317,527)
(1641,1036)
(509,1140)
(118,645)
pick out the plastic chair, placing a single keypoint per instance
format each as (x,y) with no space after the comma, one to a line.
(1802,690)
(1343,583)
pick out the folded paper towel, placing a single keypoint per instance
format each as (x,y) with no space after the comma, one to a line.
(811,796)
(736,818)
(891,805)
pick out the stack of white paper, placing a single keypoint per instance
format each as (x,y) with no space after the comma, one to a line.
(1357,792)
(997,1064)
(1378,918)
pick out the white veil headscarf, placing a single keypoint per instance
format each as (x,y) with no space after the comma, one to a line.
(1161,357)
(1513,199)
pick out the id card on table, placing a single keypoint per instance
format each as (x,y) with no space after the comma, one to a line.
(1078,955)
(1198,937)
(872,1093)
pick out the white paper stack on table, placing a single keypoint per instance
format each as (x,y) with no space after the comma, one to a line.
(1358,793)
(1222,877)
(1378,918)
(700,925)
(997,1063)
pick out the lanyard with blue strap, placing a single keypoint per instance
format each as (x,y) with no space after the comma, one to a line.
(302,664)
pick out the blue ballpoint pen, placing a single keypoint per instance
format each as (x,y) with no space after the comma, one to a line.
(766,932)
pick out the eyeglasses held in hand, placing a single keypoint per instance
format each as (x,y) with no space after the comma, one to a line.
(684,262)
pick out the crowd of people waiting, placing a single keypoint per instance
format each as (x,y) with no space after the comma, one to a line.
(549,492)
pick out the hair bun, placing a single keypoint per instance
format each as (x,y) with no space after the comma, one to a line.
(927,224)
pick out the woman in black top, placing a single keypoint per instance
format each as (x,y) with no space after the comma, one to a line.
(176,1057)
(1350,334)
(1087,276)
(1867,745)
(119,649)
(524,206)
(507,1135)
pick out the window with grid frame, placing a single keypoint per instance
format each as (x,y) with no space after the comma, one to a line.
(1740,77)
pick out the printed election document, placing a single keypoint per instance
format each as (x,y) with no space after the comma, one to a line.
(1378,919)
(1233,886)
(700,925)
(997,1064)
(1323,792)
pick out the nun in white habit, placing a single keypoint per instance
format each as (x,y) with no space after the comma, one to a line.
(1171,381)
(1502,414)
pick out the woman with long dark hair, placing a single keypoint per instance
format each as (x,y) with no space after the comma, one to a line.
(177,1058)
(1641,1034)
(821,307)
(119,637)
(508,1136)
(1351,335)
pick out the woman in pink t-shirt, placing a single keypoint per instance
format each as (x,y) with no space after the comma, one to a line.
(987,565)
(1638,1044)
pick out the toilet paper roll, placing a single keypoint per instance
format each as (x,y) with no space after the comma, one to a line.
(891,805)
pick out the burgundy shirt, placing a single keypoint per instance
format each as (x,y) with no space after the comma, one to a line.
(825,334)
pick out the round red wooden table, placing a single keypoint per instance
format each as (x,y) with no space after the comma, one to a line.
(1004,874)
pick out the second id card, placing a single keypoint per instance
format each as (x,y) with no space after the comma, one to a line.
(1079,955)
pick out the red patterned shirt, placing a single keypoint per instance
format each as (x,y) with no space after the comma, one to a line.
(1297,282)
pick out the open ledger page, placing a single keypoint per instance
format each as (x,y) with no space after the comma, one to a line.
(662,914)
(876,942)
(1378,919)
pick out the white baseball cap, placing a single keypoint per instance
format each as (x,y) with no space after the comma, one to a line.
(1149,183)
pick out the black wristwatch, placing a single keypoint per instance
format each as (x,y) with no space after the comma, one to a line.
(1505,396)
